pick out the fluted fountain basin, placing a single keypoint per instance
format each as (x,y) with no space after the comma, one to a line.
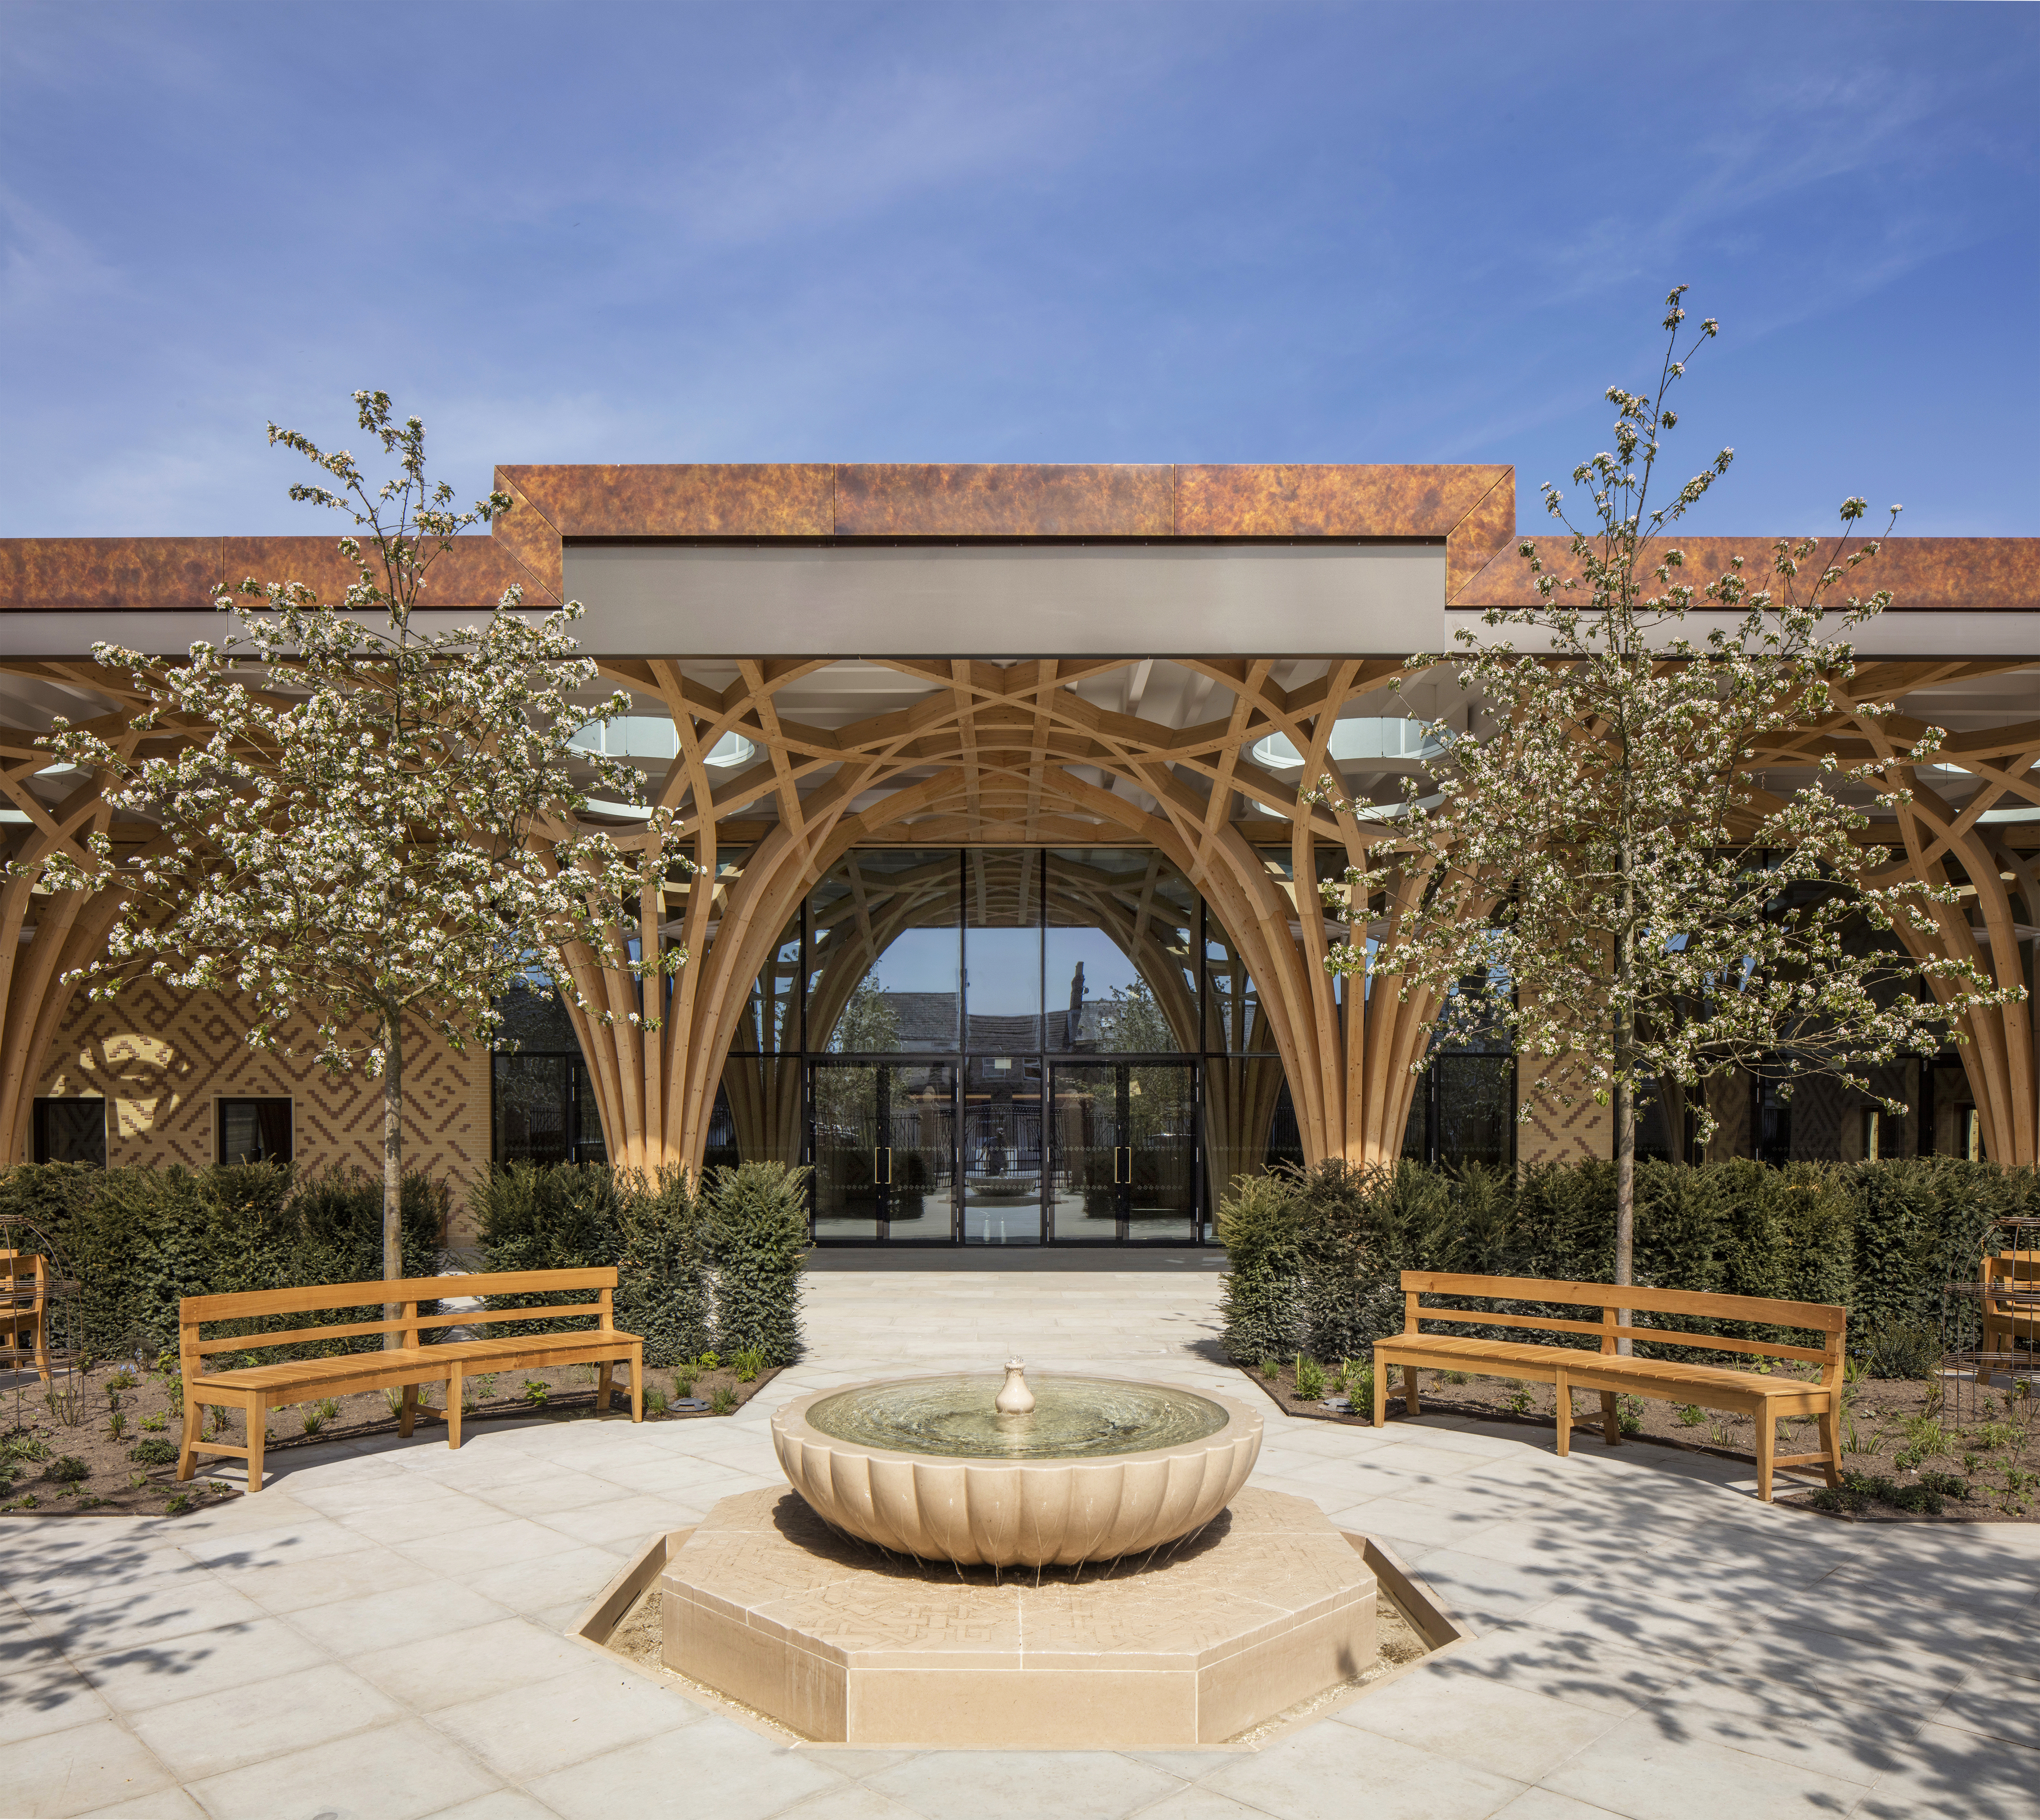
(1101,1469)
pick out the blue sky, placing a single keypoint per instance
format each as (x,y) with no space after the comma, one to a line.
(1107,232)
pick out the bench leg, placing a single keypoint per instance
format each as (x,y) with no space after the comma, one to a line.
(409,1414)
(1380,1393)
(187,1450)
(638,1384)
(1611,1424)
(1831,1444)
(1565,1414)
(257,1436)
(1409,1404)
(453,1395)
(603,1376)
(1767,1448)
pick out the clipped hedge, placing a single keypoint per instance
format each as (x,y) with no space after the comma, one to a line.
(567,1216)
(138,1238)
(714,1264)
(1317,1252)
(758,1226)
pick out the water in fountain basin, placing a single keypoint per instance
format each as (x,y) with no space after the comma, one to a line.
(1073,1418)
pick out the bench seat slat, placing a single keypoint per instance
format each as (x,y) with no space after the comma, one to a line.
(411,1364)
(1461,1353)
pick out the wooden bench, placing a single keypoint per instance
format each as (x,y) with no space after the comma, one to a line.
(256,1389)
(1568,1367)
(2010,1314)
(25,1281)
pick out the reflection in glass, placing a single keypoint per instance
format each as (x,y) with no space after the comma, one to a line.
(884,964)
(1125,1159)
(771,1020)
(1083,1194)
(1002,1150)
(763,1099)
(885,1143)
(1233,1019)
(847,1150)
(920,1188)
(1161,1123)
(545,1110)
(1463,1111)
(1121,924)
(1474,1113)
(1002,949)
(1242,1099)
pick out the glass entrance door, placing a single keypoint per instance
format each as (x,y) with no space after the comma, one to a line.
(884,1151)
(1124,1154)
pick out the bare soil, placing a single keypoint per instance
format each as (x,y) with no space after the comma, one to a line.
(1896,1431)
(69,1449)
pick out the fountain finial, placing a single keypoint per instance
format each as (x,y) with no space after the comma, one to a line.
(1015,1398)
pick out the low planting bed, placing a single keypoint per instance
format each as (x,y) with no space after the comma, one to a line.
(1891,1431)
(35,1437)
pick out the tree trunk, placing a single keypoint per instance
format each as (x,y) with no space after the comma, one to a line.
(392,1168)
(1625,1104)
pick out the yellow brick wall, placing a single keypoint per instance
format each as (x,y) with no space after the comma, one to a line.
(163,1058)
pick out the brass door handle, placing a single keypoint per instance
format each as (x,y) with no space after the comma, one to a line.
(881,1179)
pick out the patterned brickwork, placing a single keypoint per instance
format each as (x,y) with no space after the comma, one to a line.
(164,1058)
(1583,1133)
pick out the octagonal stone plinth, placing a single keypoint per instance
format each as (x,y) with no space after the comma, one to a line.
(1266,1606)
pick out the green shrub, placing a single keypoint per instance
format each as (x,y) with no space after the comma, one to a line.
(138,1239)
(723,1401)
(568,1218)
(154,1451)
(67,1469)
(758,1221)
(1317,1254)
(1260,1222)
(1310,1378)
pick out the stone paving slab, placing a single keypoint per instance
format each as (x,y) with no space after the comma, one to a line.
(378,1633)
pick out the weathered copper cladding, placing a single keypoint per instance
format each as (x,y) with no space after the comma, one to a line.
(112,574)
(703,499)
(1924,574)
(474,572)
(1004,500)
(1329,501)
(1472,507)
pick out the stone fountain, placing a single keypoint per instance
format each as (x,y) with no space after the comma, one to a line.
(972,1560)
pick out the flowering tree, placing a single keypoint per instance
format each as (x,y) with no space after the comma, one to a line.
(364,822)
(1604,872)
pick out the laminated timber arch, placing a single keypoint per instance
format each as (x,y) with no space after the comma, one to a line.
(998,755)
(1968,841)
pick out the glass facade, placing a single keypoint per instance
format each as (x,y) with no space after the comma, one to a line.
(999,1046)
(1005,1046)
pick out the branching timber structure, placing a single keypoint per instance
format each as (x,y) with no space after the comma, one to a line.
(1141,737)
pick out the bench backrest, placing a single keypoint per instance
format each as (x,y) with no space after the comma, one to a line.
(24,1279)
(2010,1267)
(262,1306)
(1612,1300)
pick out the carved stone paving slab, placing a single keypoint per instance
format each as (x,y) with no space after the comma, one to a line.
(1267,1605)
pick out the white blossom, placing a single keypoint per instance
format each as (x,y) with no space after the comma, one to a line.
(361,823)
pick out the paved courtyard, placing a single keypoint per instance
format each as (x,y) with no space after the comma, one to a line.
(378,1635)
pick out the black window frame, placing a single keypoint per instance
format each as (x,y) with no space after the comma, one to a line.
(221,1101)
(40,1128)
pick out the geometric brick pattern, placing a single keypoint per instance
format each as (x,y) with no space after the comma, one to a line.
(163,1058)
